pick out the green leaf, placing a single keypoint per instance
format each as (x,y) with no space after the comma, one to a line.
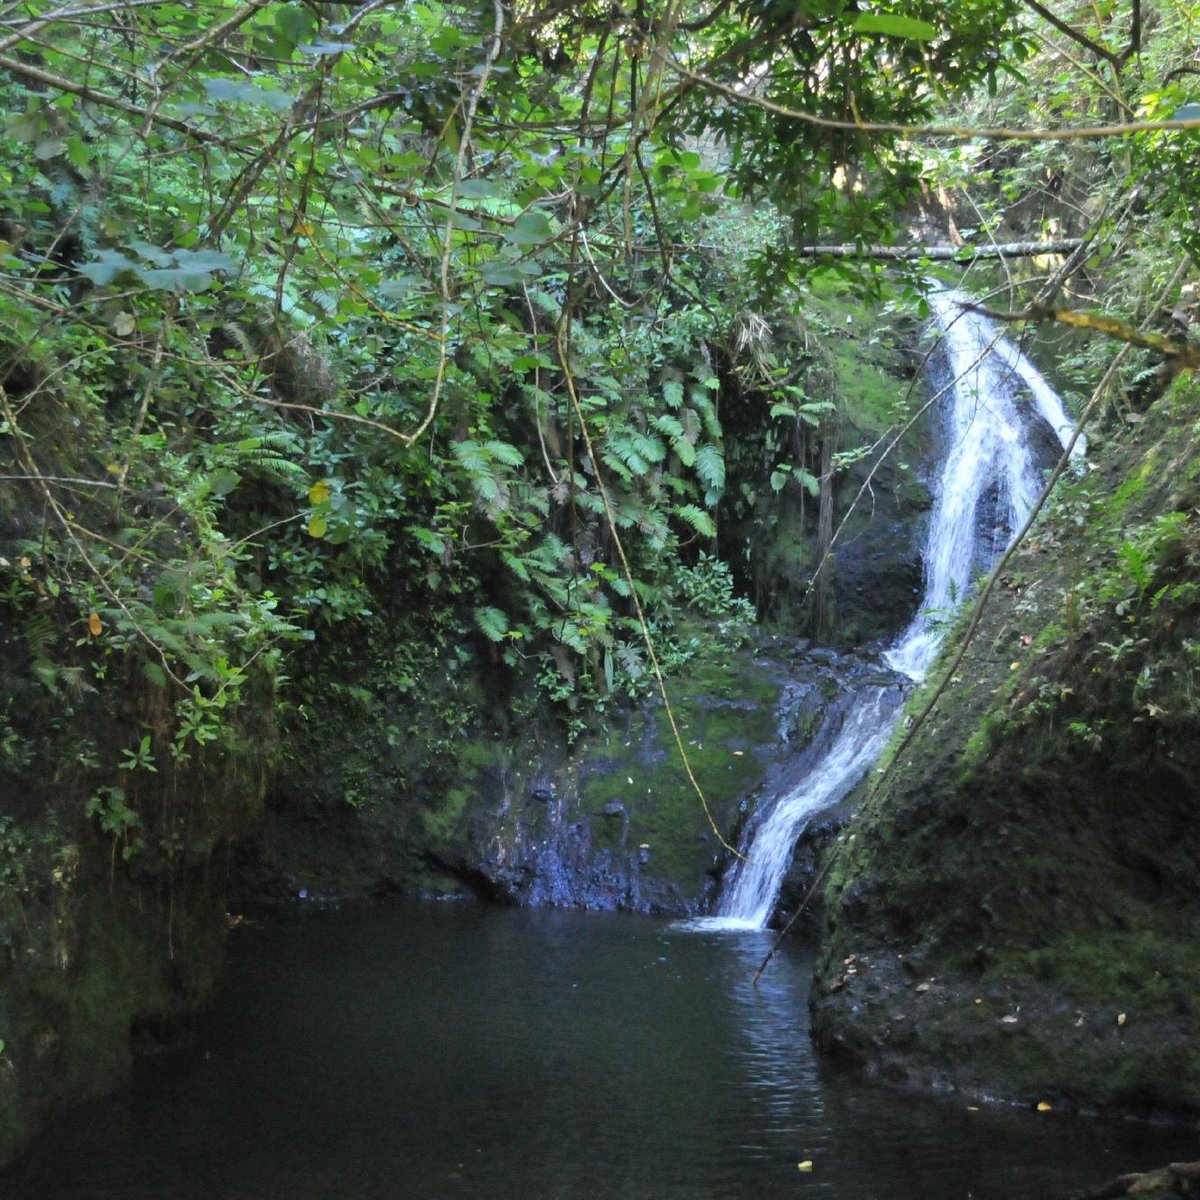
(175,279)
(530,229)
(239,91)
(203,260)
(107,266)
(893,25)
(477,189)
(222,482)
(811,483)
(430,539)
(501,274)
(295,23)
(316,48)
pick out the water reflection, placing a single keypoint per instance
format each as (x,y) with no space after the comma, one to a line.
(453,1051)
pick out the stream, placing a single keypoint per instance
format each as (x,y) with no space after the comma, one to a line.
(445,1050)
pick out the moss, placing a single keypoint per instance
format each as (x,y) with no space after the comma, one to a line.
(1038,839)
(442,819)
(661,809)
(1107,970)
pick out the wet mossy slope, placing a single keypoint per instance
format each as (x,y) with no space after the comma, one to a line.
(1014,912)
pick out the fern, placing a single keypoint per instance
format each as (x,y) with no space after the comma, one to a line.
(692,424)
(503,452)
(708,413)
(491,622)
(282,471)
(39,633)
(710,467)
(697,518)
(649,448)
(472,456)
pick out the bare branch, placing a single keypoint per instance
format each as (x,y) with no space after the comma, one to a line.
(962,254)
(1078,133)
(1068,30)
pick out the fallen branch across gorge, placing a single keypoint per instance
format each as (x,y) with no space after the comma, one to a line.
(954,253)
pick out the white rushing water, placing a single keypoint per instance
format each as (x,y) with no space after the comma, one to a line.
(990,476)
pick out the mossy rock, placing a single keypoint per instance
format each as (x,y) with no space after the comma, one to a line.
(1036,842)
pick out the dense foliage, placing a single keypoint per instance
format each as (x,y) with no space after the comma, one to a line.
(426,322)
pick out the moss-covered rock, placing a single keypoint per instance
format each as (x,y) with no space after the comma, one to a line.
(858,435)
(114,824)
(511,810)
(1014,911)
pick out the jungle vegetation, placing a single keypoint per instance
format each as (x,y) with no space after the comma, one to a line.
(421,327)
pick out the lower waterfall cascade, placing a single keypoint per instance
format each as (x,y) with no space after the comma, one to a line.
(984,492)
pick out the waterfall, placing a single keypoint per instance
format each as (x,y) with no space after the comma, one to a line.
(994,399)
(989,477)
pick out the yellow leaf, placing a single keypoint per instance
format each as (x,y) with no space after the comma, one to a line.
(317,527)
(95,625)
(1045,1106)
(806,1165)
(1120,1018)
(319,492)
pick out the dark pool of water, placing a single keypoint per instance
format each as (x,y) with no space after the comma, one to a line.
(456,1050)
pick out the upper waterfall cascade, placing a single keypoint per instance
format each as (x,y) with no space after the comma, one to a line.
(991,399)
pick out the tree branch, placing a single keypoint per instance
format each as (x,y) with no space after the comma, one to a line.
(1082,39)
(1186,355)
(1077,133)
(944,253)
(28,71)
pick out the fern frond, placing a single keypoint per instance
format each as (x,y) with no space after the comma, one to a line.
(491,622)
(39,633)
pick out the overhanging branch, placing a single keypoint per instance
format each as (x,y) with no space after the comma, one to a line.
(945,253)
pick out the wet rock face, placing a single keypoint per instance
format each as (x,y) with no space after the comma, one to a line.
(873,580)
(617,824)
(613,823)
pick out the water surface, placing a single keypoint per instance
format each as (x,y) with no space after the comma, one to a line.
(458,1050)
